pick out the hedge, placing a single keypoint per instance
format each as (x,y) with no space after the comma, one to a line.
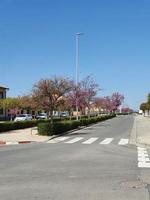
(60,125)
(8,126)
(64,126)
(123,113)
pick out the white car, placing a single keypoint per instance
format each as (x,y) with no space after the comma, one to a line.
(23,117)
(41,116)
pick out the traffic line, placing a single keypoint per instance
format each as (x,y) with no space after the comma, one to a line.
(123,141)
(90,141)
(74,140)
(107,141)
(143,158)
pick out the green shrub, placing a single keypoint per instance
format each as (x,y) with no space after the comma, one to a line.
(44,128)
(8,126)
(123,113)
(58,128)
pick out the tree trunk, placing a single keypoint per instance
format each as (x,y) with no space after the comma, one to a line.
(51,121)
(11,117)
(88,113)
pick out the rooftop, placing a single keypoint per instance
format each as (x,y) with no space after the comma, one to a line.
(3,87)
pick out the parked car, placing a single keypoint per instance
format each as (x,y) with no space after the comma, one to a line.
(41,116)
(64,114)
(23,117)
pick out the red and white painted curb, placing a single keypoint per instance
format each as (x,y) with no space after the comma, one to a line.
(14,143)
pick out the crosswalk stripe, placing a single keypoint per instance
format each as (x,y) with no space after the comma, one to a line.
(107,141)
(123,142)
(74,140)
(59,139)
(90,141)
(63,138)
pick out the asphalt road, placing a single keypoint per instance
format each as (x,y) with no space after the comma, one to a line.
(94,167)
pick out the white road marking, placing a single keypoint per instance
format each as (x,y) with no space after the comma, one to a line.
(141,148)
(59,139)
(141,151)
(143,165)
(90,141)
(143,159)
(107,141)
(143,154)
(62,138)
(123,142)
(74,140)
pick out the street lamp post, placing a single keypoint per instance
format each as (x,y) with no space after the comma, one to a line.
(77,69)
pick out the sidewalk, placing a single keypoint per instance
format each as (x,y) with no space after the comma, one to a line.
(140,134)
(22,136)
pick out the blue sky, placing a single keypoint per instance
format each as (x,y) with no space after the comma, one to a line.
(37,40)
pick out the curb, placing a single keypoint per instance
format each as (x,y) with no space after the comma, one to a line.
(2,143)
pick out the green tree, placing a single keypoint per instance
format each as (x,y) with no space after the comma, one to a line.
(148,98)
(11,104)
(143,107)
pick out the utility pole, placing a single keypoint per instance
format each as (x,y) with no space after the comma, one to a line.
(77,70)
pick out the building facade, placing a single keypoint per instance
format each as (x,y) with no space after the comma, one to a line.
(3,91)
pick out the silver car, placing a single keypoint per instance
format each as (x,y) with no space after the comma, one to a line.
(42,116)
(23,117)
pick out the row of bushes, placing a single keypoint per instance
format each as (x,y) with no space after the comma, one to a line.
(7,126)
(123,113)
(72,118)
(64,126)
(59,124)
